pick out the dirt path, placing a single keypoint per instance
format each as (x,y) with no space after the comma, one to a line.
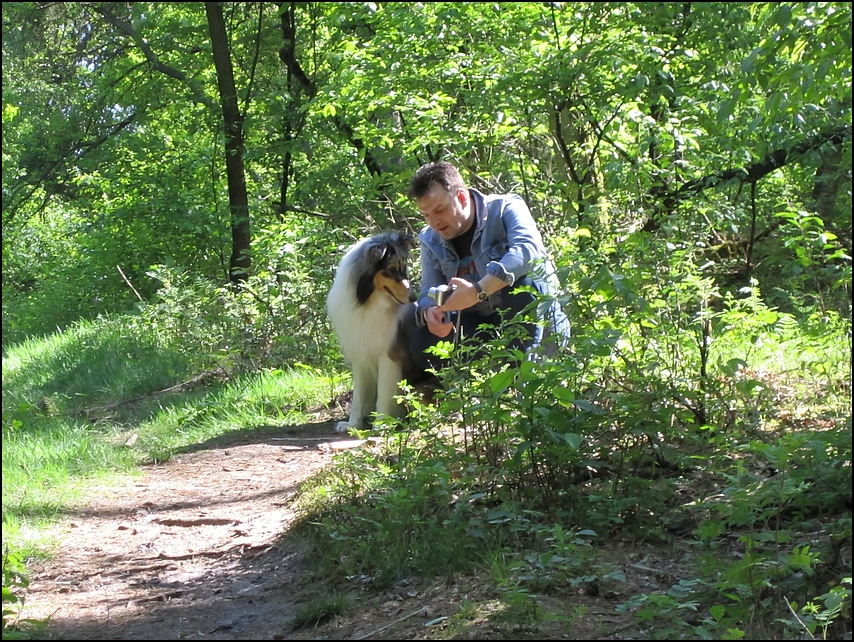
(199,548)
(193,549)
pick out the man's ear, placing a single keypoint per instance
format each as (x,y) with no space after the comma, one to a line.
(463,196)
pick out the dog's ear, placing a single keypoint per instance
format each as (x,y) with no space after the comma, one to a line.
(407,240)
(376,252)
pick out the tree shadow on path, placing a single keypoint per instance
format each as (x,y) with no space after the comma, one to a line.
(199,547)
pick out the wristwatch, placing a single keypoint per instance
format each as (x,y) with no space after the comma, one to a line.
(481,295)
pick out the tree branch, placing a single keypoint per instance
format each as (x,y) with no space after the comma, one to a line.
(155,62)
(299,210)
(772,161)
(80,148)
(562,146)
(288,57)
(254,65)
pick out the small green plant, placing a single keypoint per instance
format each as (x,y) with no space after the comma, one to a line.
(826,611)
(553,558)
(669,614)
(392,509)
(15,583)
(319,611)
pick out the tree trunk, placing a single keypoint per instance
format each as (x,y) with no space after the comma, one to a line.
(238,269)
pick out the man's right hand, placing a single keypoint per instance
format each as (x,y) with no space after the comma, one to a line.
(436,322)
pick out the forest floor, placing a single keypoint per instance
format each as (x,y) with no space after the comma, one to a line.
(199,547)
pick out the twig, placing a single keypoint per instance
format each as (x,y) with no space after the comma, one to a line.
(130,285)
(199,379)
(800,621)
(383,628)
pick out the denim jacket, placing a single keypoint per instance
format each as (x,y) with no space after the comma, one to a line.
(506,244)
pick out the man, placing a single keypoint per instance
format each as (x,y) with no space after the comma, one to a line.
(485,246)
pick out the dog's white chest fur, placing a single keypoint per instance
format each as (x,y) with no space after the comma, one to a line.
(365,332)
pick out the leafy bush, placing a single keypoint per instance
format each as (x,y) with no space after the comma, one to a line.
(15,583)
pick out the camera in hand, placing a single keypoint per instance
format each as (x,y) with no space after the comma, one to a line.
(440,293)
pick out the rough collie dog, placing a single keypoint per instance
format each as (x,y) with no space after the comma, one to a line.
(371,308)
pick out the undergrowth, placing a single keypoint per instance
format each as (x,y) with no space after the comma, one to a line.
(533,471)
(679,417)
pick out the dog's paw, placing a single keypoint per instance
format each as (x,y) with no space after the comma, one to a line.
(343,426)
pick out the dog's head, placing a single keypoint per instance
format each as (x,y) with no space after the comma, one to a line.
(386,257)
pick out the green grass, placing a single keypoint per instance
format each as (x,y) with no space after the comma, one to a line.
(320,610)
(48,469)
(90,363)
(497,498)
(59,441)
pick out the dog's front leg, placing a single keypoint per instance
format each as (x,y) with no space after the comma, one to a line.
(390,375)
(364,399)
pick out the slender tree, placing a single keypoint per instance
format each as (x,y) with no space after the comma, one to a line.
(233,121)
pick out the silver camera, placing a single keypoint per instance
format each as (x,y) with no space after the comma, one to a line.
(440,293)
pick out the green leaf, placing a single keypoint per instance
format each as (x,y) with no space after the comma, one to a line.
(733,366)
(783,15)
(574,441)
(718,611)
(564,394)
(581,404)
(725,110)
(501,380)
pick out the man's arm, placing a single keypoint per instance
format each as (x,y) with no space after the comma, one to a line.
(466,294)
(525,243)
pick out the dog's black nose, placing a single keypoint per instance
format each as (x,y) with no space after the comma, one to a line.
(412,297)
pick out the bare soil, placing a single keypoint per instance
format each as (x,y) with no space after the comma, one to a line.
(197,548)
(200,547)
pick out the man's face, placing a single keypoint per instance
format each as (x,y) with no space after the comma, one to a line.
(448,213)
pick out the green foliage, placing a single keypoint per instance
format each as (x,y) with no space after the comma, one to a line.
(525,462)
(15,584)
(640,103)
(389,513)
(749,597)
(689,166)
(823,612)
(266,320)
(319,610)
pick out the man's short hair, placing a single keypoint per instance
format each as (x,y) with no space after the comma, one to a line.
(436,173)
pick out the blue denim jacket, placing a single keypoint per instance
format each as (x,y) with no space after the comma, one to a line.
(506,244)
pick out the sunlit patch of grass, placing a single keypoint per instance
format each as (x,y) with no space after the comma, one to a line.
(72,400)
(89,363)
(510,613)
(268,399)
(49,466)
(320,610)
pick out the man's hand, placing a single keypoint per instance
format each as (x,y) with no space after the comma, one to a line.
(436,322)
(464,295)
